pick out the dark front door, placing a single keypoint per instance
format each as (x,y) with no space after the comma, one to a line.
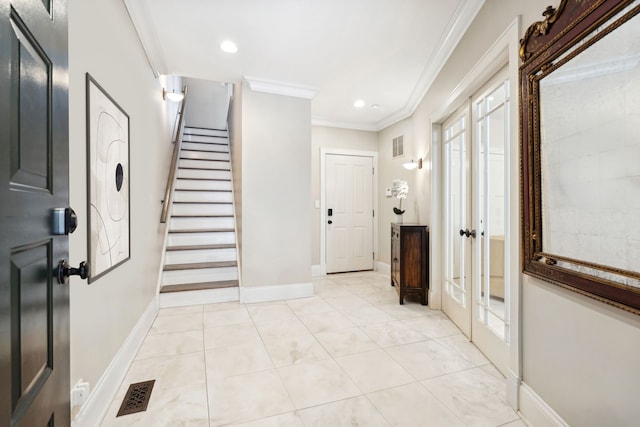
(34,170)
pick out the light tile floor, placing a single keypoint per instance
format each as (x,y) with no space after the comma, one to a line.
(349,356)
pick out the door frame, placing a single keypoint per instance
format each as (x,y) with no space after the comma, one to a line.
(324,151)
(504,51)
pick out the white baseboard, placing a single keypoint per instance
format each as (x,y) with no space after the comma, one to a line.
(252,294)
(513,390)
(316,270)
(100,399)
(536,412)
(382,267)
(207,296)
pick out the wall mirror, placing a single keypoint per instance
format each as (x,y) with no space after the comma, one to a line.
(580,149)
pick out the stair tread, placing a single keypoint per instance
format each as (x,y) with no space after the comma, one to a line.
(199,286)
(201,247)
(204,230)
(205,179)
(188,151)
(203,203)
(200,265)
(206,160)
(200,127)
(203,190)
(205,169)
(202,216)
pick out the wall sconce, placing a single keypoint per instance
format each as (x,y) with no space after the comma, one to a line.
(413,165)
(172,96)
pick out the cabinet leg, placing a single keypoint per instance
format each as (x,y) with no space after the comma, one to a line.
(423,299)
(401,299)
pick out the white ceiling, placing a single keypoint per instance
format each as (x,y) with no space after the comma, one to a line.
(385,52)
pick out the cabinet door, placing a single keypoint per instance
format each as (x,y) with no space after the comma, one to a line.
(395,260)
(412,259)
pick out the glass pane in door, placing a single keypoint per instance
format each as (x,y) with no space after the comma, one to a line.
(493,129)
(455,189)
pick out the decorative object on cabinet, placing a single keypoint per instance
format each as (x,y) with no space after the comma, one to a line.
(410,260)
(400,190)
(108,181)
(579,149)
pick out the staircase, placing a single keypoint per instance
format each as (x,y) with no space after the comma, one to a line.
(200,252)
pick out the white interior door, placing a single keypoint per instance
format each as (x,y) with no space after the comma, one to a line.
(476,221)
(349,216)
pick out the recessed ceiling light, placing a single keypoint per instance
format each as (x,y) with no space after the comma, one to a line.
(359,103)
(228,46)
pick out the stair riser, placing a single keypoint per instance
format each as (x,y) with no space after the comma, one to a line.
(204,164)
(200,255)
(210,132)
(206,238)
(198,184)
(202,209)
(200,155)
(206,139)
(202,196)
(213,148)
(179,277)
(203,174)
(200,223)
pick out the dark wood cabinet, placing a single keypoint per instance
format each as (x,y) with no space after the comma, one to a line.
(410,260)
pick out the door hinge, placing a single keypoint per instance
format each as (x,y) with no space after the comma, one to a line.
(373,255)
(373,213)
(373,171)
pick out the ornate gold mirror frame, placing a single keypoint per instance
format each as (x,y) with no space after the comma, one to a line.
(580,149)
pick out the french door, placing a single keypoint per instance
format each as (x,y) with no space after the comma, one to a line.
(475,212)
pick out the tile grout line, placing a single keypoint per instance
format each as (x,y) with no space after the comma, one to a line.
(206,376)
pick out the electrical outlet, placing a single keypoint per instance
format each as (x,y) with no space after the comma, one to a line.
(79,393)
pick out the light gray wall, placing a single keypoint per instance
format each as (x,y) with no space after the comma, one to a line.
(389,170)
(276,178)
(207,103)
(329,137)
(579,355)
(102,42)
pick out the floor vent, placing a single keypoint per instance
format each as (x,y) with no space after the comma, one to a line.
(137,398)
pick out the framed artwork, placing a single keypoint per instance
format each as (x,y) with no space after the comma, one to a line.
(107,182)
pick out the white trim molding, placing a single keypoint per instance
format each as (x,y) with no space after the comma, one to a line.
(535,411)
(100,399)
(464,16)
(253,294)
(513,389)
(280,88)
(318,121)
(206,296)
(316,271)
(382,267)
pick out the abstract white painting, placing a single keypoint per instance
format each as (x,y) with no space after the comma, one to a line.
(108,181)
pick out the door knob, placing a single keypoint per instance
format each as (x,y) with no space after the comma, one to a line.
(64,271)
(329,222)
(468,233)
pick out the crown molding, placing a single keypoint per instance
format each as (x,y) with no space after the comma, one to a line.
(280,88)
(147,36)
(464,16)
(344,125)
